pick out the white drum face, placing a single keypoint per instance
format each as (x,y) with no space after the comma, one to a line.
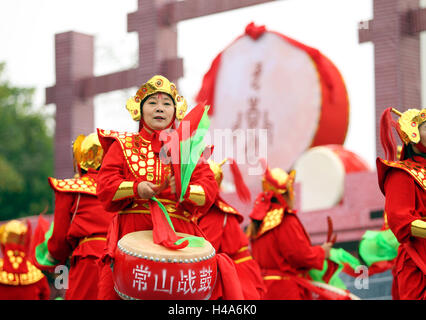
(321,175)
(267,100)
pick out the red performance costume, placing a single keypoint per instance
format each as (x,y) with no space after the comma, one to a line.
(132,158)
(279,241)
(80,224)
(221,225)
(19,278)
(404,185)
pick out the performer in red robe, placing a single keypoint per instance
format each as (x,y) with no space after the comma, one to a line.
(78,233)
(19,278)
(132,173)
(279,241)
(403,183)
(222,227)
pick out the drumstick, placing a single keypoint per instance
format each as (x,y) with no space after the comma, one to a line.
(331,236)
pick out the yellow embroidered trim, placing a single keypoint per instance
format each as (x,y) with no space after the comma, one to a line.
(414,170)
(125,190)
(197,195)
(149,212)
(418,228)
(243,259)
(32,276)
(273,278)
(243,249)
(86,239)
(226,208)
(272,219)
(84,184)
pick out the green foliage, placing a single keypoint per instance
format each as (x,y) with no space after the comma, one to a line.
(26,154)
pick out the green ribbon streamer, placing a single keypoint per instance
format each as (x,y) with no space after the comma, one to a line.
(42,254)
(378,246)
(191,150)
(193,241)
(339,256)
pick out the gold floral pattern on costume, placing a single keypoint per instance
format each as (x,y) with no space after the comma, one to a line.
(33,275)
(139,156)
(412,168)
(272,219)
(85,184)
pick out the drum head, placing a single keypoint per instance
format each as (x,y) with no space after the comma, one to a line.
(321,173)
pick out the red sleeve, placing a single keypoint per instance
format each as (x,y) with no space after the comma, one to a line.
(295,245)
(400,205)
(204,177)
(233,236)
(58,245)
(110,176)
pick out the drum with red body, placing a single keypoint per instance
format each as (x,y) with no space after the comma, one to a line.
(272,97)
(147,271)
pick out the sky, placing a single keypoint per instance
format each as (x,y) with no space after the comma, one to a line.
(27,29)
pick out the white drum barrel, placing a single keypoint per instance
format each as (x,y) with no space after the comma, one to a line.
(148,271)
(321,173)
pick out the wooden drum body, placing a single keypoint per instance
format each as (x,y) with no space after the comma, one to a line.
(147,271)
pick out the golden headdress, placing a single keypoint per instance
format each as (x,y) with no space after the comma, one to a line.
(409,123)
(156,84)
(13,231)
(278,180)
(88,152)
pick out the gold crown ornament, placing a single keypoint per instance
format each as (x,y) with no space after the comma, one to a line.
(217,170)
(279,181)
(156,84)
(409,123)
(13,231)
(88,152)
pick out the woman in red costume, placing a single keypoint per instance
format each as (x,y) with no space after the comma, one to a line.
(132,173)
(19,278)
(78,233)
(222,228)
(403,183)
(279,241)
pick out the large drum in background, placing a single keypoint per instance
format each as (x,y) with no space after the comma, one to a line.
(267,81)
(321,173)
(147,271)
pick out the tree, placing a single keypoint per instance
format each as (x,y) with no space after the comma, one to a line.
(26,153)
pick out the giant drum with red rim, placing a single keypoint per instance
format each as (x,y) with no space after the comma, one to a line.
(272,97)
(147,271)
(321,172)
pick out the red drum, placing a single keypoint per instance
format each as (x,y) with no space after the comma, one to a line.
(321,173)
(272,97)
(147,271)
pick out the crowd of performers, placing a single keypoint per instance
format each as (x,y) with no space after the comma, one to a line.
(123,183)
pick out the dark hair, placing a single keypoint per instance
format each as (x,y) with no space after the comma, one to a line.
(410,153)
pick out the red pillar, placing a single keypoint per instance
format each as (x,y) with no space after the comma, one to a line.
(74,115)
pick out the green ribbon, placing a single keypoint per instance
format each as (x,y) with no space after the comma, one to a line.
(193,241)
(378,246)
(42,254)
(339,256)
